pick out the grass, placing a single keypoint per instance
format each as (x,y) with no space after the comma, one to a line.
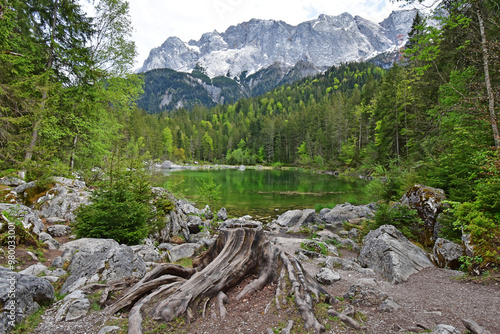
(186,262)
(30,323)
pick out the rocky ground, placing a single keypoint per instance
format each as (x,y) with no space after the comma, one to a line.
(382,283)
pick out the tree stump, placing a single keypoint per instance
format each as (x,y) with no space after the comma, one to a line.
(172,291)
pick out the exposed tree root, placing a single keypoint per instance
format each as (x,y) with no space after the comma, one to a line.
(172,291)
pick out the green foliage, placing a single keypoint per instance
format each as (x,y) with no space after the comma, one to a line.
(402,217)
(121,206)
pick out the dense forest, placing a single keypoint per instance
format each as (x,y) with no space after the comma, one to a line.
(68,102)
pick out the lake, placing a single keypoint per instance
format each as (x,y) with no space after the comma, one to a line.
(264,193)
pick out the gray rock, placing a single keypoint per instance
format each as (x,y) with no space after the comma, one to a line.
(222,214)
(428,203)
(69,183)
(55,220)
(182,251)
(25,186)
(99,259)
(147,253)
(207,212)
(389,253)
(63,200)
(30,293)
(445,329)
(59,230)
(297,218)
(49,241)
(187,208)
(310,254)
(176,223)
(367,282)
(302,257)
(327,276)
(165,246)
(353,233)
(30,219)
(346,212)
(74,306)
(389,305)
(446,254)
(57,262)
(11,181)
(58,272)
(35,270)
(362,295)
(108,329)
(51,279)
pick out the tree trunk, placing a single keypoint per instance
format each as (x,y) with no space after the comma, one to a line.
(236,254)
(489,90)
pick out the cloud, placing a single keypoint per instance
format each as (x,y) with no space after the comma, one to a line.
(156,20)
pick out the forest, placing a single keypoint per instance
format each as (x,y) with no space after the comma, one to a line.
(68,104)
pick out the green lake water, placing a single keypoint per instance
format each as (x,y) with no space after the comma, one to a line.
(263,193)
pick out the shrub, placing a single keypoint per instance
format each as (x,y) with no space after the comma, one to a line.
(402,217)
(122,208)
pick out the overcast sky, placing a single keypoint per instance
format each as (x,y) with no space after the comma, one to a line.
(156,20)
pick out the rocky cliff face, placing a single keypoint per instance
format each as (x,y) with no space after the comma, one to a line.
(251,46)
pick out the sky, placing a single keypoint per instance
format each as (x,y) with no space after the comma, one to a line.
(156,20)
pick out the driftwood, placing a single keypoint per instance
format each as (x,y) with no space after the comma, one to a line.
(473,327)
(169,291)
(345,317)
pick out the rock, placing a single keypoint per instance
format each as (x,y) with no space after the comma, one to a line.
(51,279)
(346,212)
(30,219)
(327,276)
(55,220)
(389,253)
(33,256)
(74,306)
(469,247)
(49,241)
(35,270)
(194,223)
(361,295)
(222,214)
(176,223)
(62,200)
(58,272)
(353,233)
(310,254)
(389,305)
(108,329)
(30,292)
(297,217)
(428,203)
(147,253)
(445,329)
(57,262)
(302,257)
(24,186)
(58,230)
(11,181)
(182,251)
(99,260)
(446,254)
(367,282)
(314,246)
(207,212)
(69,183)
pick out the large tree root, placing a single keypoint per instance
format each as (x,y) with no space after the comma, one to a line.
(236,254)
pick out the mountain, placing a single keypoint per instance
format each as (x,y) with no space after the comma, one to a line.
(254,57)
(251,46)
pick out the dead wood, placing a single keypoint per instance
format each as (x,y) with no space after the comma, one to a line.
(236,254)
(473,327)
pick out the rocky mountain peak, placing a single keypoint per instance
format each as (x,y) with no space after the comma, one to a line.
(251,46)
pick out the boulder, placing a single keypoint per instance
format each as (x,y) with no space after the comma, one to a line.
(93,260)
(346,212)
(297,218)
(389,253)
(74,306)
(428,203)
(346,264)
(389,305)
(446,254)
(24,186)
(108,329)
(49,241)
(30,219)
(55,220)
(11,181)
(362,295)
(62,200)
(29,293)
(35,270)
(176,223)
(58,230)
(445,329)
(327,276)
(147,253)
(182,251)
(222,214)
